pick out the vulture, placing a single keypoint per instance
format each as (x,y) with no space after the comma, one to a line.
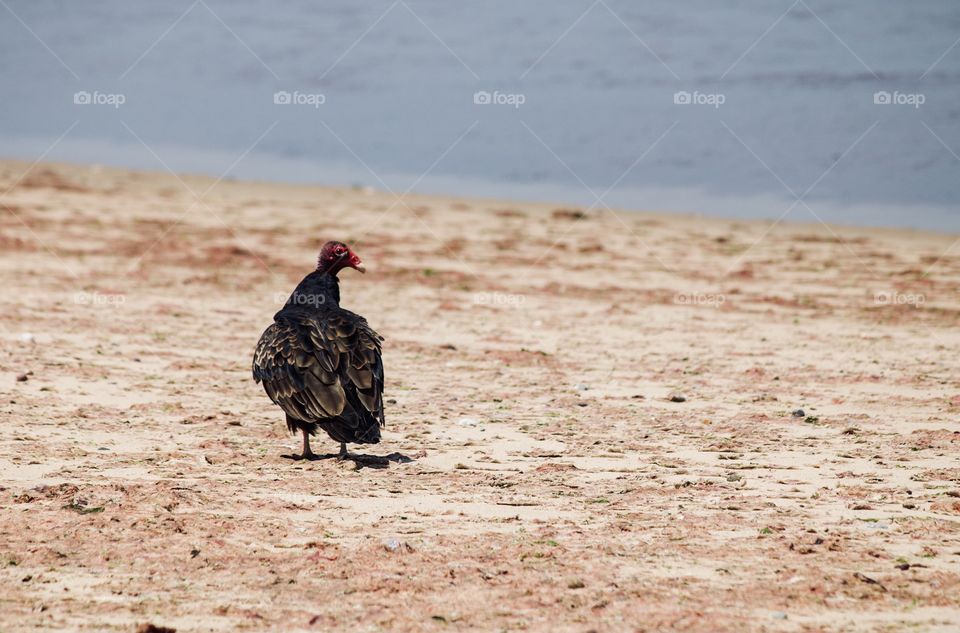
(322,364)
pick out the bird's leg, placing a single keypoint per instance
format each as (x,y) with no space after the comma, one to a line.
(307,453)
(343,451)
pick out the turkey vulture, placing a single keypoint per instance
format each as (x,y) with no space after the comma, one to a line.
(322,363)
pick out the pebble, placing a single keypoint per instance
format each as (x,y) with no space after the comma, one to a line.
(581,387)
(677,397)
(394,545)
(468,422)
(778,615)
(27,337)
(799,413)
(391,545)
(22,378)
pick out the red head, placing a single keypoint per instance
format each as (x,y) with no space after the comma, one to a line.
(336,255)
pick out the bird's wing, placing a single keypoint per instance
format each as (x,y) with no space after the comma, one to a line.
(311,365)
(364,370)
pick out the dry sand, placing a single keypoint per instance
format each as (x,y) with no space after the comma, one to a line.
(531,355)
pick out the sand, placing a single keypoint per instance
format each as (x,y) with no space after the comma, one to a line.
(545,475)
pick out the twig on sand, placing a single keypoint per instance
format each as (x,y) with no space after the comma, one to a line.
(869,581)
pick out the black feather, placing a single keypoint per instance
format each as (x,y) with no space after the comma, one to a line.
(322,364)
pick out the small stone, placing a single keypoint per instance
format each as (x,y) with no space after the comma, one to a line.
(393,545)
(575,583)
(22,378)
(468,422)
(778,615)
(799,413)
(677,397)
(581,387)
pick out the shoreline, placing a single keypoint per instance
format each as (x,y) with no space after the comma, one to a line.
(275,170)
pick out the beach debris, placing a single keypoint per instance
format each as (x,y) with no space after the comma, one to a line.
(581,387)
(394,545)
(869,580)
(569,214)
(80,506)
(147,627)
(676,396)
(465,421)
(799,413)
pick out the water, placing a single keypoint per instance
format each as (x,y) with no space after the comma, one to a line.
(597,83)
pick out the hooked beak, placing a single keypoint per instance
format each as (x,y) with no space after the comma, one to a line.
(355,262)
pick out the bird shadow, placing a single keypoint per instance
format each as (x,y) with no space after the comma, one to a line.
(362,460)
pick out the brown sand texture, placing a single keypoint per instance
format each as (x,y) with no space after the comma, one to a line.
(592,417)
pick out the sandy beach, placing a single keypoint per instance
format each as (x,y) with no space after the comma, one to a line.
(598,421)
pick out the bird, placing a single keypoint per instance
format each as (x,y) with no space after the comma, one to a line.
(323,364)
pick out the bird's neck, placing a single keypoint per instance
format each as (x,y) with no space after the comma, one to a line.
(318,290)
